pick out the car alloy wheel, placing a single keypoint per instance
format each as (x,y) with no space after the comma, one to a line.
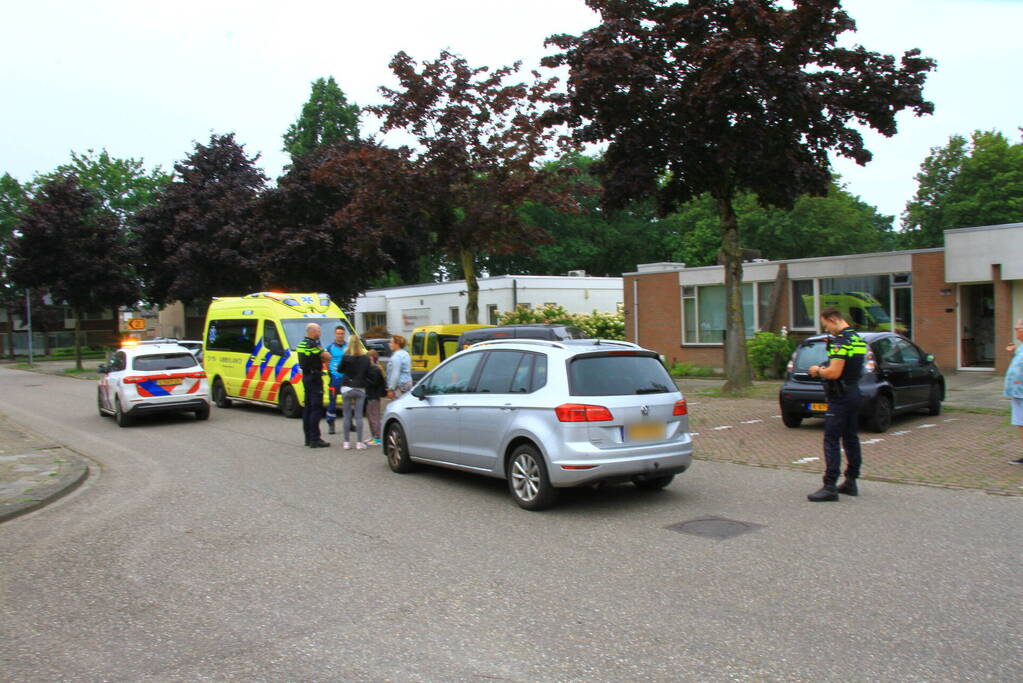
(397,450)
(123,420)
(881,418)
(220,394)
(528,481)
(288,402)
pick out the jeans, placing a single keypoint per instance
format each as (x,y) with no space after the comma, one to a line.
(312,411)
(352,404)
(335,389)
(840,424)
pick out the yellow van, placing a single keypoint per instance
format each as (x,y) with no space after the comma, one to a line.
(249,346)
(433,343)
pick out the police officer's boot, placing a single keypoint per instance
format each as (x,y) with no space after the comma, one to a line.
(848,487)
(825,494)
(330,427)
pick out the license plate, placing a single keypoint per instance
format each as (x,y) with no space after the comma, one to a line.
(645,431)
(169,382)
(819,407)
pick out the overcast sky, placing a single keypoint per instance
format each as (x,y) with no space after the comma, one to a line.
(146,80)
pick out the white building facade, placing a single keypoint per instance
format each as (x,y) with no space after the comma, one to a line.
(402,309)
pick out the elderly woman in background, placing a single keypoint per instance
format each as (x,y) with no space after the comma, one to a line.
(1014,382)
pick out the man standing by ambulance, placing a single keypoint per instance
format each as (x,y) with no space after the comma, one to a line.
(841,375)
(311,357)
(336,349)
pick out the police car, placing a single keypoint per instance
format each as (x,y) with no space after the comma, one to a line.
(152,377)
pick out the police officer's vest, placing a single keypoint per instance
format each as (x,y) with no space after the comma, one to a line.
(309,360)
(850,347)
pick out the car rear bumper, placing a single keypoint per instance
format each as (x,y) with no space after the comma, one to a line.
(649,461)
(146,407)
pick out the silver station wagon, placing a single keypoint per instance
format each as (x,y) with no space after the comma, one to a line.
(545,415)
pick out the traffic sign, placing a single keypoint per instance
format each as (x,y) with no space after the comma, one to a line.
(136,323)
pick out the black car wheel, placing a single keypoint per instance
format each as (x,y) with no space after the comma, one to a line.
(99,402)
(123,419)
(881,415)
(203,413)
(288,402)
(791,419)
(934,402)
(220,394)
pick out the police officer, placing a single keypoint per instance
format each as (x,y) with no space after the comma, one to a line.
(846,353)
(310,359)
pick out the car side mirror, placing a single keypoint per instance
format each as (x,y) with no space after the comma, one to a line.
(102,369)
(929,358)
(419,391)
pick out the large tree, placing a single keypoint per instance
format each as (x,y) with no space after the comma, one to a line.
(721,96)
(476,161)
(194,239)
(69,245)
(327,118)
(13,200)
(965,184)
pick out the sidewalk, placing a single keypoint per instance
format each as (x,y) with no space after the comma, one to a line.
(34,471)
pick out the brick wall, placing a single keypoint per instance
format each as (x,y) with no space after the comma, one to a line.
(659,312)
(934,316)
(1003,319)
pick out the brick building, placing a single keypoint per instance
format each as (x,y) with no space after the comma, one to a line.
(958,302)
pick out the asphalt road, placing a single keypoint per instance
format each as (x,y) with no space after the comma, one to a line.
(223,550)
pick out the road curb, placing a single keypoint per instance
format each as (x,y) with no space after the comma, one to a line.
(69,479)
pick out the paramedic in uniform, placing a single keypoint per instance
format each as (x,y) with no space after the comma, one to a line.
(310,359)
(846,353)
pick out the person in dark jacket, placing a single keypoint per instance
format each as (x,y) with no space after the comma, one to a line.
(311,357)
(376,389)
(355,366)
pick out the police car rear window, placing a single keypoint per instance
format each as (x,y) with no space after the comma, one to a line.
(163,361)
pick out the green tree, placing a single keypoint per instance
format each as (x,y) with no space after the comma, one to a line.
(327,118)
(965,184)
(721,96)
(123,186)
(13,200)
(70,245)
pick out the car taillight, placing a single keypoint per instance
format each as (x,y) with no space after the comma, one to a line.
(580,412)
(792,363)
(134,380)
(197,375)
(680,408)
(870,365)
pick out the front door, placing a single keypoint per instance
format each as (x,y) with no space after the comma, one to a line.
(977,326)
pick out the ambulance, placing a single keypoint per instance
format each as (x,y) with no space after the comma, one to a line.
(249,346)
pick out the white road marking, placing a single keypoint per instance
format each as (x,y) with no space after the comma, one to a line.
(718,429)
(950,419)
(776,417)
(925,426)
(803,461)
(750,422)
(870,441)
(900,432)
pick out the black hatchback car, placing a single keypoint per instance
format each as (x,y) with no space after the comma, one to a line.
(897,377)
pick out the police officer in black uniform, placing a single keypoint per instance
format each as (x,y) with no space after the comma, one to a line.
(846,353)
(310,359)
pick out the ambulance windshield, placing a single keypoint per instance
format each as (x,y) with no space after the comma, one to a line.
(294,329)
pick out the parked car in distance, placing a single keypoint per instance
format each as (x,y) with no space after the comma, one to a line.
(545,415)
(432,344)
(898,377)
(381,346)
(152,377)
(551,331)
(193,345)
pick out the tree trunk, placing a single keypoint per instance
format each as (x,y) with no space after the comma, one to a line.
(78,342)
(472,287)
(737,368)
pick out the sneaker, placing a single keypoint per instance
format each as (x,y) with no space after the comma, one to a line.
(1017,461)
(374,441)
(347,446)
(360,446)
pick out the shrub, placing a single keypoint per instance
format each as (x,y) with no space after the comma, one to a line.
(596,325)
(691,370)
(769,354)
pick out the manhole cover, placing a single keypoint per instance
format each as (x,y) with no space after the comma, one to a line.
(714,527)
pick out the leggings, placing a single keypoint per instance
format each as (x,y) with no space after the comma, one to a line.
(352,402)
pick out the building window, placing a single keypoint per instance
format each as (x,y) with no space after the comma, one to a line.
(454,315)
(492,314)
(804,316)
(870,303)
(370,320)
(703,313)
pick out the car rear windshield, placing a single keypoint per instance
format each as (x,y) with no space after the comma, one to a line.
(163,361)
(811,353)
(618,375)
